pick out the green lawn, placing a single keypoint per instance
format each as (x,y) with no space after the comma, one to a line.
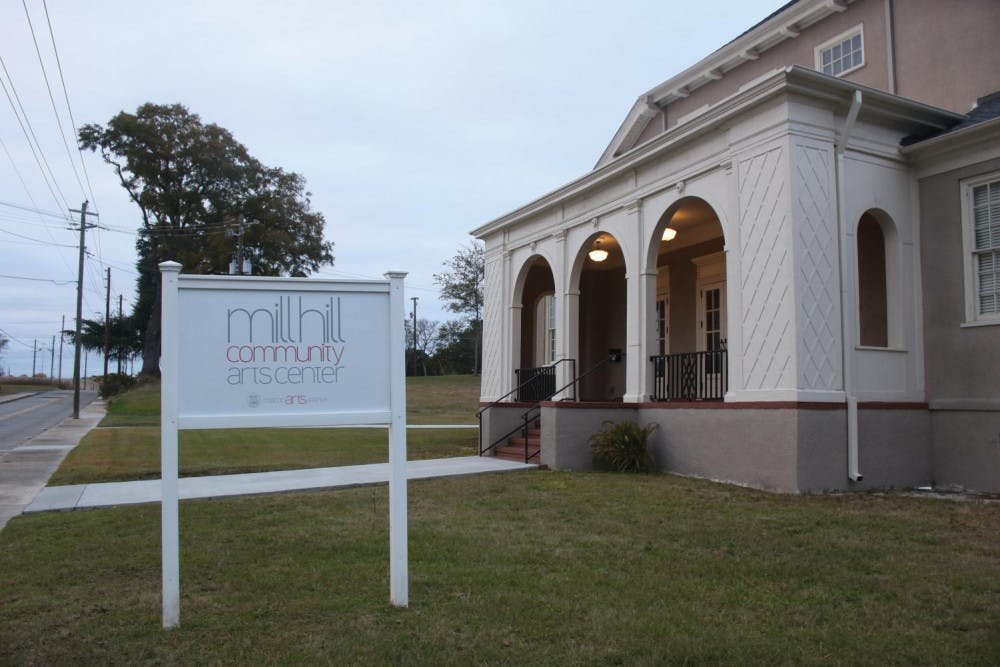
(530,568)
(127,446)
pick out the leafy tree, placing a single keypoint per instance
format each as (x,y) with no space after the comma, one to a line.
(196,187)
(462,291)
(123,338)
(455,348)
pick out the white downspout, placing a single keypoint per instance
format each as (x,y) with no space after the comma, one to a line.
(846,296)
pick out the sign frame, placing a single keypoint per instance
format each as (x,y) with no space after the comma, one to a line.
(173,419)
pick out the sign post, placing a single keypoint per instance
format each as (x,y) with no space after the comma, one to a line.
(245,352)
(169,511)
(398,547)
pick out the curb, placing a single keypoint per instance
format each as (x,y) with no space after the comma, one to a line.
(17,397)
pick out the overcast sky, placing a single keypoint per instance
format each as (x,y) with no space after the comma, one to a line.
(412,122)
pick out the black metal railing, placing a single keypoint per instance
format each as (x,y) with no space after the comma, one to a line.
(539,384)
(691,376)
(533,412)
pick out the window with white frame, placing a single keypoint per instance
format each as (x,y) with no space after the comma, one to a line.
(982,242)
(842,54)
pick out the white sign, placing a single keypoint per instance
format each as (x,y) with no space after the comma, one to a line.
(241,352)
(272,353)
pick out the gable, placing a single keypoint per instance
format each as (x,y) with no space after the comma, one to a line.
(689,92)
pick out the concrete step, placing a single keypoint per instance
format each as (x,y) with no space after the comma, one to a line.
(515,453)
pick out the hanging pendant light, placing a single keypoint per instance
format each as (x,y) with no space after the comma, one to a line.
(669,233)
(597,253)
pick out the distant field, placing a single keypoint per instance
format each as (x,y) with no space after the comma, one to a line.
(448,399)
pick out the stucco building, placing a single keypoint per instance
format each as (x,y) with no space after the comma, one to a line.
(788,257)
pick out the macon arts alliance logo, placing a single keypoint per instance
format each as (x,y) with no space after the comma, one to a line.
(256,400)
(297,341)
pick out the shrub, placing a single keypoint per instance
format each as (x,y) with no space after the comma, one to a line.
(116,384)
(623,447)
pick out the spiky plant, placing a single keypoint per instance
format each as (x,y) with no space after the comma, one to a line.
(623,446)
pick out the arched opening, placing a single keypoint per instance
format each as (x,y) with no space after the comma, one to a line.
(873,311)
(876,248)
(538,318)
(688,334)
(600,279)
(536,336)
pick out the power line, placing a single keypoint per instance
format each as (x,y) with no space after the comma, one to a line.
(127,269)
(69,107)
(37,211)
(54,183)
(41,241)
(52,99)
(41,280)
(15,339)
(34,207)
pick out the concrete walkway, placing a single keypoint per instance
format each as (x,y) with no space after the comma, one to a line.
(25,470)
(85,496)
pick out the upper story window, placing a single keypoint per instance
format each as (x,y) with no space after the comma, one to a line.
(981,217)
(842,54)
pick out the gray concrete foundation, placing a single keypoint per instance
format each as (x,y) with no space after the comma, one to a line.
(787,448)
(966,449)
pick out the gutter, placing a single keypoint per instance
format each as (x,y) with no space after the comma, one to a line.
(846,291)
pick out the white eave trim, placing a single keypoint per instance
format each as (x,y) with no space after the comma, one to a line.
(950,140)
(955,150)
(786,25)
(791,79)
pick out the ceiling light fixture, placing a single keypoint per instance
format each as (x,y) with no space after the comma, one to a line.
(598,254)
(669,233)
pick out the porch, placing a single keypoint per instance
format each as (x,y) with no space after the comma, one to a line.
(511,427)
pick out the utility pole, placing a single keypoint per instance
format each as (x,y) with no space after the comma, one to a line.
(107,326)
(79,307)
(34,356)
(61,337)
(52,360)
(239,266)
(121,317)
(414,300)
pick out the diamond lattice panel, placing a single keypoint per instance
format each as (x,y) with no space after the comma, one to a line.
(492,381)
(765,256)
(816,270)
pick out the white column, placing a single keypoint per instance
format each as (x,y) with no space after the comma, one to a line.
(635,315)
(507,353)
(515,342)
(169,525)
(560,277)
(399,593)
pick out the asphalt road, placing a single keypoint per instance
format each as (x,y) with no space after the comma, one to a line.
(23,419)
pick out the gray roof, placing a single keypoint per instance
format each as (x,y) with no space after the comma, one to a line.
(987,108)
